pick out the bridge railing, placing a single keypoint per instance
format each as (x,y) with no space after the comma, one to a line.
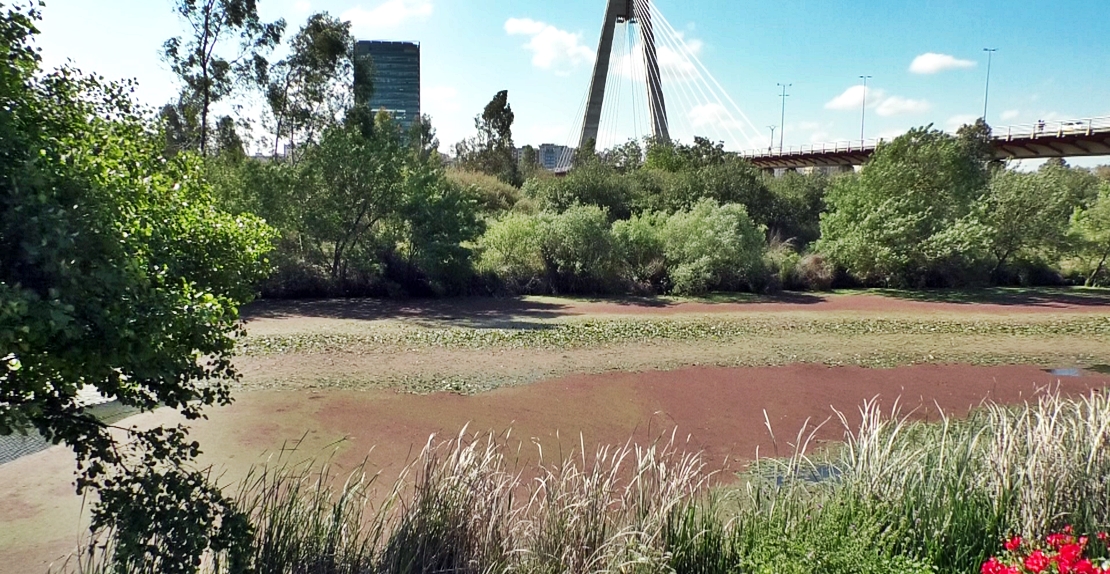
(844,146)
(1055,128)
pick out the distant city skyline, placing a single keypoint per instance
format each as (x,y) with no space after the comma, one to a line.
(925,59)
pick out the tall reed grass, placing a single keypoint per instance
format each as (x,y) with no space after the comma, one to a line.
(896,495)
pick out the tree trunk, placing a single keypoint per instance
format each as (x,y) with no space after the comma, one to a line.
(1098,269)
(207,95)
(998,267)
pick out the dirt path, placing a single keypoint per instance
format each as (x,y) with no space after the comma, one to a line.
(517,312)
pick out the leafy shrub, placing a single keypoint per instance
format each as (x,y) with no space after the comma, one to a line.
(712,247)
(594,183)
(511,250)
(812,273)
(439,220)
(119,274)
(796,204)
(578,250)
(779,263)
(492,194)
(640,248)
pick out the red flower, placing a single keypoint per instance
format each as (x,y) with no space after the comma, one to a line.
(1013,544)
(1036,562)
(1069,554)
(1057,540)
(1085,567)
(992,566)
(1104,537)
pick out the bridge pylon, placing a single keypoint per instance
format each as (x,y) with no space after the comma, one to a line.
(624,12)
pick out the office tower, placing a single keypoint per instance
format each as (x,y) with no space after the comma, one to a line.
(396,78)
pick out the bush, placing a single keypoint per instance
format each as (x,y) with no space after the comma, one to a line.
(492,194)
(510,250)
(779,262)
(594,183)
(797,201)
(640,248)
(813,273)
(578,252)
(712,247)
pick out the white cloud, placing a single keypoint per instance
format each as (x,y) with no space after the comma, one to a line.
(852,98)
(1010,115)
(899,106)
(389,14)
(931,63)
(809,126)
(552,48)
(819,137)
(956,122)
(302,6)
(715,115)
(675,64)
(886,106)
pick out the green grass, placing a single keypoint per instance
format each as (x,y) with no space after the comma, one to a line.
(897,496)
(602,332)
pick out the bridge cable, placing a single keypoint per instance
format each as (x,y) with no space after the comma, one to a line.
(667,25)
(684,91)
(696,93)
(700,92)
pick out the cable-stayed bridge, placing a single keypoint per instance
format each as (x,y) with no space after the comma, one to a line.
(646,67)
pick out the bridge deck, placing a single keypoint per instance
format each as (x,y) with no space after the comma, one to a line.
(1069,138)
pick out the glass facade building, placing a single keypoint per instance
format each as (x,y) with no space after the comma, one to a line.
(396,78)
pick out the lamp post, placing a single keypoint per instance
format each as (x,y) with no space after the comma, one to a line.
(771,147)
(863,112)
(782,120)
(986,95)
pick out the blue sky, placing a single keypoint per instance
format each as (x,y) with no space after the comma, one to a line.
(1053,60)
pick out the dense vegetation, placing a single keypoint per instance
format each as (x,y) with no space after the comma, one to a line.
(897,496)
(929,210)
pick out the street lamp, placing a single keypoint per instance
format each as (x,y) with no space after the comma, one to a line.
(782,120)
(771,147)
(863,111)
(986,96)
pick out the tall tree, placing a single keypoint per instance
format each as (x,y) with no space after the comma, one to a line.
(894,223)
(422,138)
(491,151)
(200,59)
(181,123)
(1025,211)
(309,89)
(1091,230)
(117,273)
(353,183)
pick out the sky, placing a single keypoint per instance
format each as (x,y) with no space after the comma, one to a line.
(925,59)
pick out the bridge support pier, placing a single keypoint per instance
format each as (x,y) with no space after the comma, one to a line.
(622,11)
